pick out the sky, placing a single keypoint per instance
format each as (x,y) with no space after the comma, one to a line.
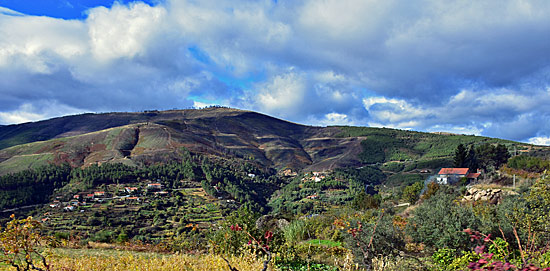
(468,67)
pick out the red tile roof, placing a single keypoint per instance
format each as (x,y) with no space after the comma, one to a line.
(473,175)
(453,171)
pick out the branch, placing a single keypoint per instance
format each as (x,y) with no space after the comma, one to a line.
(231,268)
(519,245)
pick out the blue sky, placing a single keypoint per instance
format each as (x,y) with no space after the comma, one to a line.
(63,9)
(473,67)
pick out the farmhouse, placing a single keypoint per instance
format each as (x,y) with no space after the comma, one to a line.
(453,175)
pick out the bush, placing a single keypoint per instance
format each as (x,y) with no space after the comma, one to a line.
(393,166)
(103,236)
(411,193)
(439,222)
(368,239)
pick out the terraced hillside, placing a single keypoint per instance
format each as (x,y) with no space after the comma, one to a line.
(159,136)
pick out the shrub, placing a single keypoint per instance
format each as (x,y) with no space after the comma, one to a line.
(411,193)
(393,166)
(367,239)
(439,221)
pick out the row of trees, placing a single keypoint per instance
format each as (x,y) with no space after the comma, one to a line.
(32,186)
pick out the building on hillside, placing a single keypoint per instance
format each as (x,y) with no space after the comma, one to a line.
(131,190)
(161,193)
(289,172)
(99,194)
(453,175)
(154,186)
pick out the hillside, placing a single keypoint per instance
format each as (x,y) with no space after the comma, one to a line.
(159,136)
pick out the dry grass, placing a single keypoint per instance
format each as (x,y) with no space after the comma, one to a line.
(112,260)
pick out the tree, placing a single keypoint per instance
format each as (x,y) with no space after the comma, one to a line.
(501,155)
(20,242)
(411,193)
(460,156)
(471,159)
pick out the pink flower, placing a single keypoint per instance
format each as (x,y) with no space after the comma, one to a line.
(479,249)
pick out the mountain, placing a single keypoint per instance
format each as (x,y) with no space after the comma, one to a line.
(149,137)
(145,138)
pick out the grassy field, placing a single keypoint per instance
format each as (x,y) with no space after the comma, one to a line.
(114,260)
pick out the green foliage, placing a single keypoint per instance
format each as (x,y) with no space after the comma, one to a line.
(229,241)
(439,222)
(312,228)
(500,249)
(483,156)
(435,163)
(460,156)
(32,186)
(529,163)
(461,261)
(393,166)
(377,148)
(471,159)
(373,152)
(403,179)
(363,201)
(443,257)
(301,265)
(489,155)
(103,236)
(431,189)
(296,231)
(411,193)
(537,216)
(416,145)
(378,236)
(361,177)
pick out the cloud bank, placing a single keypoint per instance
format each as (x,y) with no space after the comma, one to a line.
(469,67)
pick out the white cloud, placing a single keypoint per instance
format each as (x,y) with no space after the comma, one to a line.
(7,11)
(123,31)
(540,140)
(398,113)
(28,112)
(23,114)
(282,95)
